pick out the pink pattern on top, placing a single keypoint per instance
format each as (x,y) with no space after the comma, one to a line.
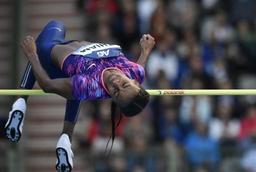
(86,74)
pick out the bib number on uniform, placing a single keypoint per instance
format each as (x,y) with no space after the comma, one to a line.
(98,50)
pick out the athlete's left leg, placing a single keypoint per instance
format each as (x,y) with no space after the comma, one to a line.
(52,34)
(63,149)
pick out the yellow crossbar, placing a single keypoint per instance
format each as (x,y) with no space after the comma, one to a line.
(157,92)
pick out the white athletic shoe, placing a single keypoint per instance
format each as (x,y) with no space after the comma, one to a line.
(64,154)
(14,125)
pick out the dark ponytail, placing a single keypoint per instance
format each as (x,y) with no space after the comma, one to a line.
(115,110)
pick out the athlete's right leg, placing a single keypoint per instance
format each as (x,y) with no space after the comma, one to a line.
(13,127)
(49,36)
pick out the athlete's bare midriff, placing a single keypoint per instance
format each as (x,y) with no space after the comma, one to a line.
(60,52)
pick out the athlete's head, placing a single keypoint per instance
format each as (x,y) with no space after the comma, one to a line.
(127,94)
(137,103)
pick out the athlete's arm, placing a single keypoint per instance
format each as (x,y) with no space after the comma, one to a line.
(147,42)
(61,86)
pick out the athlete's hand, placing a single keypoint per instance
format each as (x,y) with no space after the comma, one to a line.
(29,48)
(147,42)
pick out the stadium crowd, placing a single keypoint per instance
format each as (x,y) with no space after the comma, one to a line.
(199,44)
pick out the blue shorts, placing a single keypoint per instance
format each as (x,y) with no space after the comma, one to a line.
(52,34)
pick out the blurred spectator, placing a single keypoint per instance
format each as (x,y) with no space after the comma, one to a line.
(206,29)
(248,124)
(160,106)
(118,163)
(100,130)
(222,31)
(145,10)
(223,128)
(173,154)
(125,27)
(220,74)
(195,108)
(188,45)
(163,58)
(245,33)
(242,9)
(198,108)
(246,81)
(138,135)
(213,52)
(247,41)
(209,4)
(141,130)
(94,6)
(202,152)
(158,24)
(183,13)
(216,33)
(188,49)
(226,101)
(165,120)
(170,126)
(196,76)
(248,159)
(248,136)
(104,34)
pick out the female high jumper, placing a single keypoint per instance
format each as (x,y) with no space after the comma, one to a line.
(79,70)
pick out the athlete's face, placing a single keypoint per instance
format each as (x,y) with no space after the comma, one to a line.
(122,89)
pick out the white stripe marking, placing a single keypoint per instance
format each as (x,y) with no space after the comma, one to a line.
(25,78)
(55,28)
(92,65)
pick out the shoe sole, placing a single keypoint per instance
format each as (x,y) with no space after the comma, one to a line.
(63,164)
(12,129)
